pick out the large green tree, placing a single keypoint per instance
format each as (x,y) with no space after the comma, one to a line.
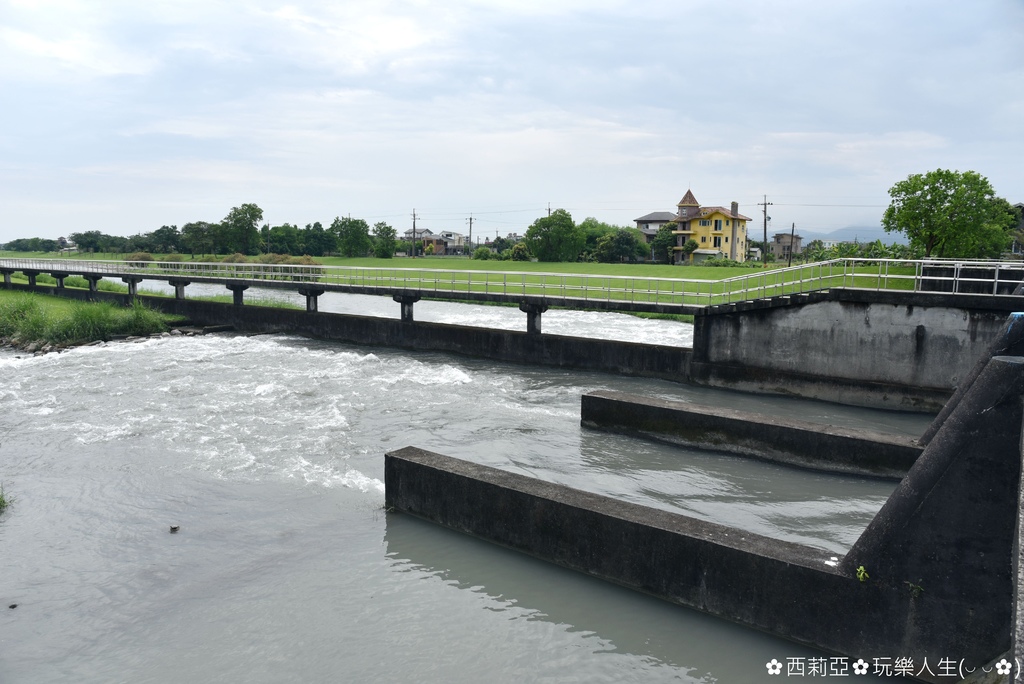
(353,236)
(555,237)
(197,237)
(241,228)
(621,245)
(316,241)
(386,240)
(663,243)
(949,214)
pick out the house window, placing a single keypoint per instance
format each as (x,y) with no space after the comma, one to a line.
(705,222)
(727,222)
(703,238)
(727,239)
(683,211)
(718,242)
(718,224)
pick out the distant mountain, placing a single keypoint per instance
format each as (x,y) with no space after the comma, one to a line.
(856,233)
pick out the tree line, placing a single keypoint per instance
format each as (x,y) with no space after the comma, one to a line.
(942,213)
(239,232)
(556,237)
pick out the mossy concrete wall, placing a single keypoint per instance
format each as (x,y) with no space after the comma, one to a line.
(783,440)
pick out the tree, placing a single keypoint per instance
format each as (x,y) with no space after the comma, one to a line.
(621,245)
(593,231)
(689,248)
(949,214)
(555,237)
(316,241)
(197,237)
(353,236)
(241,229)
(664,242)
(166,239)
(89,241)
(284,239)
(387,240)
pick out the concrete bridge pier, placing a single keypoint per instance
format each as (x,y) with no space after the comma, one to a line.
(533,310)
(406,300)
(31,275)
(59,277)
(93,285)
(7,276)
(311,294)
(179,287)
(133,286)
(237,289)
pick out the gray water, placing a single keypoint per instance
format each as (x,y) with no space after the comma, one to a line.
(267,451)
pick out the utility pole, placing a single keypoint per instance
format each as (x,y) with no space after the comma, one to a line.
(764,246)
(792,233)
(549,208)
(470,245)
(414,233)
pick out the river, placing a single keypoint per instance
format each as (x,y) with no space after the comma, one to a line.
(267,452)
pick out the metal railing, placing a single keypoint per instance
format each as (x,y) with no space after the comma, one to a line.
(996,278)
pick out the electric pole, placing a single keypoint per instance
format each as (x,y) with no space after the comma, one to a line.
(470,245)
(414,233)
(549,208)
(764,246)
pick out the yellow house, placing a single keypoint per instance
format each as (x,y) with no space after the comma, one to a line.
(718,232)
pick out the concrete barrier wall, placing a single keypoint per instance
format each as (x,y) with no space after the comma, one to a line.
(810,445)
(895,350)
(786,589)
(898,350)
(518,347)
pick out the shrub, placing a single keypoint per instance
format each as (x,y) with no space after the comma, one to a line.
(236,258)
(273,258)
(140,256)
(520,252)
(481,253)
(173,256)
(714,261)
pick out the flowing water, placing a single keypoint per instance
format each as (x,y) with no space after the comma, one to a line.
(268,452)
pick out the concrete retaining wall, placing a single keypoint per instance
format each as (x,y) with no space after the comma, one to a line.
(810,445)
(518,347)
(900,350)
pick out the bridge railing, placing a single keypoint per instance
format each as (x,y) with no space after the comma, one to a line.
(988,277)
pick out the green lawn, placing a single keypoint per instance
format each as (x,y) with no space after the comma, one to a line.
(466,264)
(662,284)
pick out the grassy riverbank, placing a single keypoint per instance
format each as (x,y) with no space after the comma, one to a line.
(33,319)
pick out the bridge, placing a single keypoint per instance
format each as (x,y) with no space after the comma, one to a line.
(534,292)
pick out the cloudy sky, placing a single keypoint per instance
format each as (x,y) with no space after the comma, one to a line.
(123,116)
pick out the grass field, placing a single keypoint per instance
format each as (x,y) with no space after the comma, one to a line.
(465,264)
(647,283)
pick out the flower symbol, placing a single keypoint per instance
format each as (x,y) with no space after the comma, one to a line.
(774,667)
(860,667)
(1003,667)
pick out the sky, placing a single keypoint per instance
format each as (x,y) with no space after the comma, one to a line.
(125,116)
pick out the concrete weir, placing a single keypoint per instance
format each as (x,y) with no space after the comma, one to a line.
(933,578)
(795,442)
